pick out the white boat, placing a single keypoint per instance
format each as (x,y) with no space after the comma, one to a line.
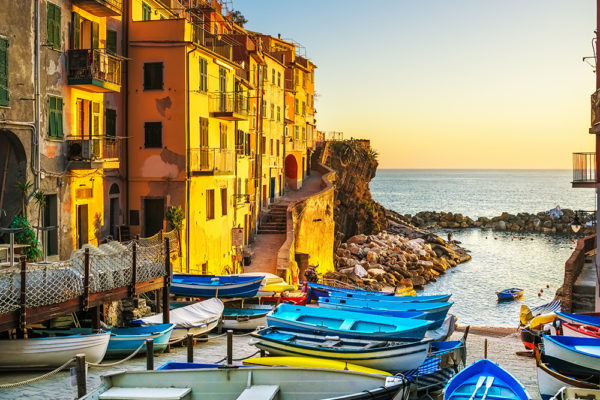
(257,383)
(245,318)
(569,393)
(576,355)
(197,319)
(271,284)
(51,352)
(551,381)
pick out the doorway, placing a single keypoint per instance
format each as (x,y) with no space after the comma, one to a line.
(82,225)
(51,219)
(154,216)
(272,189)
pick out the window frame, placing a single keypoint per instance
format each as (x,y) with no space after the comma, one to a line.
(210,204)
(224,202)
(203,81)
(150,68)
(110,125)
(4,89)
(53,24)
(146,11)
(55,117)
(148,125)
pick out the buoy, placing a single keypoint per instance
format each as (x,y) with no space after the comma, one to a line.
(541,290)
(571,248)
(547,286)
(531,238)
(495,238)
(486,237)
(539,294)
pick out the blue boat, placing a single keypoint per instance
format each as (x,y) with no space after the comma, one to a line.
(124,341)
(436,312)
(317,290)
(510,294)
(436,298)
(346,323)
(482,380)
(579,319)
(206,286)
(171,365)
(573,355)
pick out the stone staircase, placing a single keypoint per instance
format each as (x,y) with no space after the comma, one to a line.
(275,221)
(584,289)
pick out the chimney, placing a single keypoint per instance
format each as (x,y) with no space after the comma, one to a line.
(279,36)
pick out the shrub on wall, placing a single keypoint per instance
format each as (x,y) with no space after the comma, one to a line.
(26,236)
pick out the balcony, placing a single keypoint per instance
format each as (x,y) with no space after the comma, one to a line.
(101,8)
(94,152)
(228,106)
(595,128)
(214,161)
(94,70)
(212,42)
(584,170)
(241,199)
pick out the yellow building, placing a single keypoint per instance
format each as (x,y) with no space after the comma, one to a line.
(185,109)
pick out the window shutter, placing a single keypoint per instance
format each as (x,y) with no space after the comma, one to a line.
(58,117)
(111,41)
(111,123)
(3,72)
(50,23)
(95,35)
(76,26)
(51,116)
(95,119)
(56,27)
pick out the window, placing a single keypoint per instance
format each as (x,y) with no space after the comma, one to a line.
(278,114)
(273,76)
(303,109)
(239,142)
(203,132)
(303,133)
(279,79)
(312,101)
(53,19)
(205,268)
(111,41)
(55,117)
(297,132)
(153,76)
(252,125)
(247,144)
(265,73)
(264,109)
(271,147)
(277,147)
(95,119)
(146,12)
(223,136)
(210,204)
(272,111)
(203,75)
(297,108)
(153,135)
(3,72)
(110,129)
(263,144)
(223,201)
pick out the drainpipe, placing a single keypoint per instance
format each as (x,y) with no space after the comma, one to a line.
(37,96)
(187,147)
(125,52)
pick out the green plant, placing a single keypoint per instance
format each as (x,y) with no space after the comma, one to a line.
(24,187)
(26,236)
(40,200)
(175,216)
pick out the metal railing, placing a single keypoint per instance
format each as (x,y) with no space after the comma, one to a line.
(584,167)
(212,42)
(94,64)
(212,160)
(229,102)
(92,148)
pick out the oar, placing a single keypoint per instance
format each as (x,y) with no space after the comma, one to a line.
(488,384)
(479,383)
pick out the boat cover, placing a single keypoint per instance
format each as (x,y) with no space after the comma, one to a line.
(190,316)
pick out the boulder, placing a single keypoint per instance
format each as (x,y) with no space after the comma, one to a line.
(376,272)
(357,239)
(372,256)
(360,271)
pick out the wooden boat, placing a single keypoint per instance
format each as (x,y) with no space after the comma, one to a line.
(436,312)
(271,284)
(297,300)
(317,290)
(124,341)
(198,318)
(571,393)
(550,381)
(248,317)
(255,383)
(207,286)
(443,332)
(485,379)
(576,355)
(388,356)
(436,298)
(346,323)
(51,352)
(310,362)
(510,294)
(579,319)
(580,330)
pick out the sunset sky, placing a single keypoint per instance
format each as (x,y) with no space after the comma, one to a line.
(447,84)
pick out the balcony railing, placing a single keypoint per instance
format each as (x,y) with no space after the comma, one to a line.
(91,152)
(210,161)
(101,8)
(241,199)
(212,42)
(94,70)
(584,170)
(228,106)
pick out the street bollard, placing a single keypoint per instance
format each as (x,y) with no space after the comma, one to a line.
(229,347)
(149,354)
(81,375)
(190,347)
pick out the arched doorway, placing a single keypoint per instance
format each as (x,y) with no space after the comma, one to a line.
(13,172)
(291,172)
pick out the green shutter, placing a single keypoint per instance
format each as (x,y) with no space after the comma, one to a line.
(76,21)
(3,72)
(56,43)
(58,118)
(111,123)
(50,23)
(51,116)
(95,35)
(111,41)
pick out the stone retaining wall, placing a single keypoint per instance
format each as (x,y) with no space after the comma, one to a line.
(573,268)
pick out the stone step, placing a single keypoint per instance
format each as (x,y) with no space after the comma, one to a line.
(584,290)
(581,305)
(270,232)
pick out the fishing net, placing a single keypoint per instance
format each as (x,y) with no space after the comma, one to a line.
(9,290)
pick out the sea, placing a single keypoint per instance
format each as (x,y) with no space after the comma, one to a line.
(534,262)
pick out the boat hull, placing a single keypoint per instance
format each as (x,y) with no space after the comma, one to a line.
(580,330)
(125,341)
(579,319)
(551,381)
(509,294)
(198,286)
(393,358)
(293,383)
(180,332)
(51,352)
(438,298)
(246,319)
(573,354)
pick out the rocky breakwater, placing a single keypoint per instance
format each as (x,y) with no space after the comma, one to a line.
(543,222)
(392,260)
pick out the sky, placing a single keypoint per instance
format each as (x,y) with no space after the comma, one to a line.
(447,84)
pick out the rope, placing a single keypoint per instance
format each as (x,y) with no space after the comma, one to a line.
(237,359)
(213,337)
(39,378)
(129,357)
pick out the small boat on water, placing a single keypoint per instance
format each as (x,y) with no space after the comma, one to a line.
(310,362)
(576,355)
(197,319)
(579,319)
(317,290)
(485,379)
(231,383)
(346,323)
(207,286)
(571,393)
(51,352)
(124,341)
(550,381)
(436,312)
(247,318)
(509,294)
(391,356)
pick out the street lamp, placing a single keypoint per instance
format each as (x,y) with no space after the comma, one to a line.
(575,223)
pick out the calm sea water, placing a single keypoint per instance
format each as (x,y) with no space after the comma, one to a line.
(500,260)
